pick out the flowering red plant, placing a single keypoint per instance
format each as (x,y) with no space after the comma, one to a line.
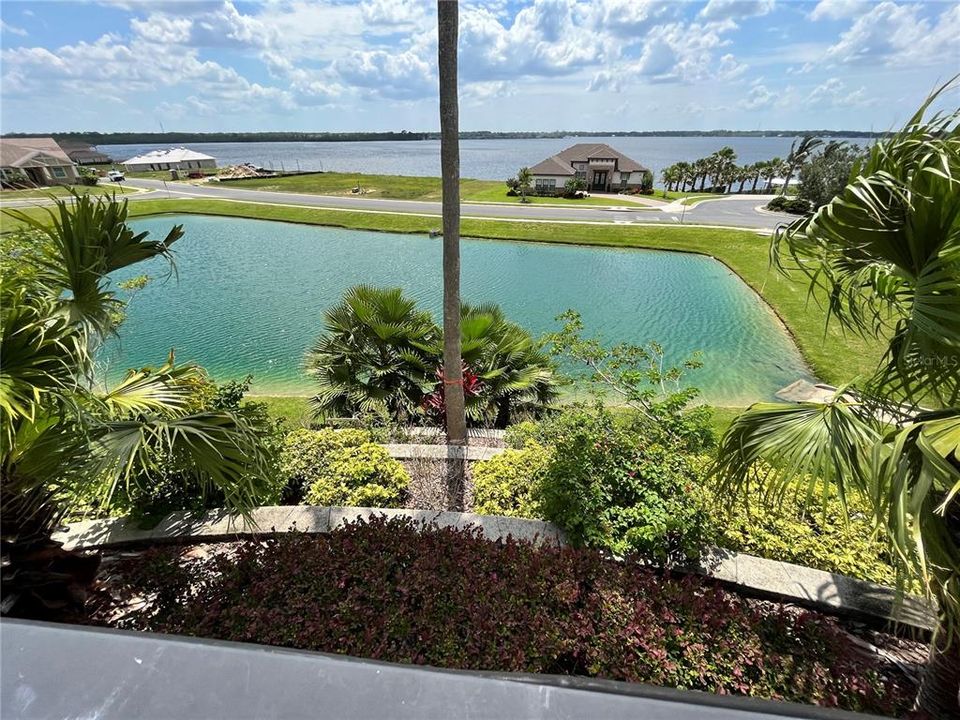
(435,405)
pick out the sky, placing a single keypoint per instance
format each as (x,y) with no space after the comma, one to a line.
(327,65)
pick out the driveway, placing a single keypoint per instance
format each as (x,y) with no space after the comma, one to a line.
(730,212)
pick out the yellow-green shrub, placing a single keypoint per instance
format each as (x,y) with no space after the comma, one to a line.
(305,455)
(363,475)
(805,533)
(503,484)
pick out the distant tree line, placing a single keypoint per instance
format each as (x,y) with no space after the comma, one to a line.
(822,175)
(167,138)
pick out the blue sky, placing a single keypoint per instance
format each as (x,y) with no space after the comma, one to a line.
(542,65)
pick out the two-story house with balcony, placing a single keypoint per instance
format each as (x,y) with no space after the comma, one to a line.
(602,168)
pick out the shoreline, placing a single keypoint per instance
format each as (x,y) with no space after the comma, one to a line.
(828,354)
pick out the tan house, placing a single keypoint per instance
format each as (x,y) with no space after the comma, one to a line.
(35,162)
(602,168)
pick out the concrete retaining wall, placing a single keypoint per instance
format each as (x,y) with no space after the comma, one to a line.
(755,576)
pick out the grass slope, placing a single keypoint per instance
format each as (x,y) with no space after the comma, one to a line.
(63,191)
(835,357)
(399,187)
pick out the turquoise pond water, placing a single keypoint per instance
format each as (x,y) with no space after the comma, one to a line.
(249,296)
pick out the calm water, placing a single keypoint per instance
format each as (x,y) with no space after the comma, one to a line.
(251,294)
(483,159)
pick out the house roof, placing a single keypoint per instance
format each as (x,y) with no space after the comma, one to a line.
(32,152)
(171,155)
(552,166)
(560,164)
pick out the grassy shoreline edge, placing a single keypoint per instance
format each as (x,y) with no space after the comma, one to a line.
(832,355)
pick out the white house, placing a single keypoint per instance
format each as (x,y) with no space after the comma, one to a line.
(35,161)
(172,159)
(602,168)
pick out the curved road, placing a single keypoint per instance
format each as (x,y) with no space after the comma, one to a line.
(730,211)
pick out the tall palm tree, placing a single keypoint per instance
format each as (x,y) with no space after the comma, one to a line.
(724,163)
(771,169)
(58,432)
(701,169)
(373,357)
(885,255)
(668,176)
(800,152)
(756,171)
(447,37)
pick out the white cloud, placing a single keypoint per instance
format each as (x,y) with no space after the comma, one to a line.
(401,76)
(113,67)
(732,9)
(605,81)
(8,28)
(758,97)
(223,26)
(685,53)
(897,34)
(835,93)
(394,12)
(838,9)
(627,18)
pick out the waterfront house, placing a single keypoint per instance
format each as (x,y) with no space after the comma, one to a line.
(84,154)
(602,168)
(171,159)
(35,162)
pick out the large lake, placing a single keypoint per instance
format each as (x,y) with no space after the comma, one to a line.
(249,297)
(482,159)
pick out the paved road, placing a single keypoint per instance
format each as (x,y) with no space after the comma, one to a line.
(734,212)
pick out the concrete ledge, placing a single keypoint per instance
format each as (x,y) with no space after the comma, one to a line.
(748,574)
(442,452)
(272,520)
(831,592)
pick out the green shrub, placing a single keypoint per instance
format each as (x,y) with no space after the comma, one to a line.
(171,484)
(608,486)
(504,485)
(363,475)
(305,456)
(795,206)
(807,533)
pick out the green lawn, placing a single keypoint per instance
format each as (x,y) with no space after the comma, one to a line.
(104,188)
(834,356)
(498,193)
(401,187)
(294,410)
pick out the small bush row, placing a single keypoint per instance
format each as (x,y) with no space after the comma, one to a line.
(448,598)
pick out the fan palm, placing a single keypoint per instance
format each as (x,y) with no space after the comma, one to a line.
(58,432)
(519,378)
(885,254)
(373,357)
(524,183)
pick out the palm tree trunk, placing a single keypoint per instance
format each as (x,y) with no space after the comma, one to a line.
(447,31)
(786,180)
(756,179)
(940,687)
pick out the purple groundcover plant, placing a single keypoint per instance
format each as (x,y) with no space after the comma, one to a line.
(450,598)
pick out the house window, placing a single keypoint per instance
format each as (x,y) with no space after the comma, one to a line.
(581,175)
(59,172)
(546,183)
(624,177)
